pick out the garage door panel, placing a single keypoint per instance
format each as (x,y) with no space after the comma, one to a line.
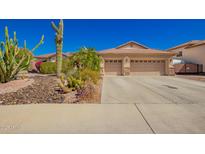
(113,67)
(147,67)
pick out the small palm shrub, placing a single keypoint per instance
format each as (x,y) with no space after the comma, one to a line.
(48,68)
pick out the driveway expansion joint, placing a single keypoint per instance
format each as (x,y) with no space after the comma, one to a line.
(145,119)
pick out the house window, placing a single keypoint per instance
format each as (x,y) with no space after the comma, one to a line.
(179,54)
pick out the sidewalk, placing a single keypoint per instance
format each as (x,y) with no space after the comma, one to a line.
(71,118)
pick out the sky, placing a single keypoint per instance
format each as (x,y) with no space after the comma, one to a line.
(104,33)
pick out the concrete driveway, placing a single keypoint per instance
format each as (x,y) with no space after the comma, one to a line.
(129,105)
(167,104)
(152,90)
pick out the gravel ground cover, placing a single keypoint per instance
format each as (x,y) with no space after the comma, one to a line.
(39,89)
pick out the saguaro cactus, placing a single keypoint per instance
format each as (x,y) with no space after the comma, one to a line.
(59,45)
(12,58)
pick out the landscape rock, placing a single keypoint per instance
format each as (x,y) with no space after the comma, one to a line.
(41,91)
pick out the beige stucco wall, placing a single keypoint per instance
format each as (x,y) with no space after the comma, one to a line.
(193,55)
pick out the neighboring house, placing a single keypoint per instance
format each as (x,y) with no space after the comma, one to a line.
(133,58)
(192,52)
(50,57)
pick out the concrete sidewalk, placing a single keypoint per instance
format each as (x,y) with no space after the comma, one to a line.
(72,118)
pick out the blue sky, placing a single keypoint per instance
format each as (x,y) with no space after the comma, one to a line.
(103,34)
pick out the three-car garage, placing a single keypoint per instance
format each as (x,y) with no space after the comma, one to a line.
(137,67)
(135,59)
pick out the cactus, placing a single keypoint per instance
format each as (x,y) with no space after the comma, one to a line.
(12,58)
(62,83)
(74,83)
(63,87)
(59,45)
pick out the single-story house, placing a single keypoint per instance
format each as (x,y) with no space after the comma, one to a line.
(192,52)
(51,57)
(133,58)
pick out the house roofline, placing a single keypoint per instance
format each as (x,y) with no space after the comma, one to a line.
(132,42)
(188,44)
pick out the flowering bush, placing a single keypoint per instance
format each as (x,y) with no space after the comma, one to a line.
(37,64)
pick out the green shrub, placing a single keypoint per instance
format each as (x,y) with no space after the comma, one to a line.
(90,75)
(86,58)
(48,68)
(66,66)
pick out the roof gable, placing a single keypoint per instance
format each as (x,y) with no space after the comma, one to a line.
(133,48)
(131,45)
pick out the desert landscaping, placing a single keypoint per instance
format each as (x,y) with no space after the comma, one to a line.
(26,80)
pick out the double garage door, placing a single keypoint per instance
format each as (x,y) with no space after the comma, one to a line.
(137,67)
(147,67)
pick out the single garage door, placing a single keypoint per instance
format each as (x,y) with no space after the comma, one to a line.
(147,67)
(113,67)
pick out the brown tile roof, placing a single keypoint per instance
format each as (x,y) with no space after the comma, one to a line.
(189,44)
(45,55)
(69,53)
(51,55)
(133,51)
(144,50)
(197,44)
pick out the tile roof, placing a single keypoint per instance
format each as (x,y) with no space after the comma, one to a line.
(133,51)
(49,55)
(189,44)
(144,50)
